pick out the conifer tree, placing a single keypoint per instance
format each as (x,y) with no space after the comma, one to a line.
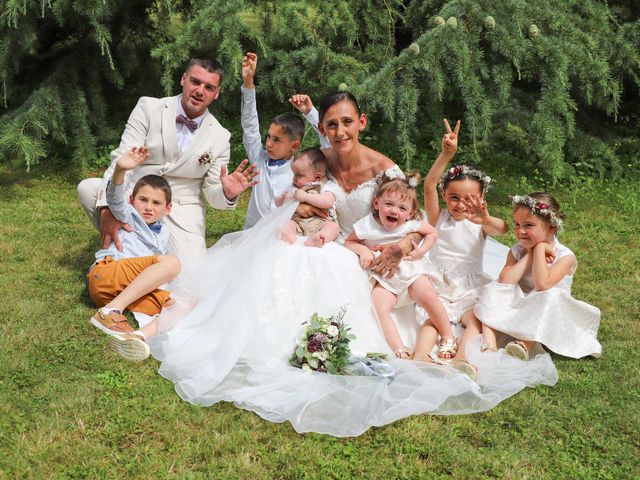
(540,79)
(64,66)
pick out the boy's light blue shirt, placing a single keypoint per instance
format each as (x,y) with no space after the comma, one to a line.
(142,241)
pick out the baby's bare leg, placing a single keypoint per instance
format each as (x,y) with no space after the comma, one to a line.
(289,233)
(328,233)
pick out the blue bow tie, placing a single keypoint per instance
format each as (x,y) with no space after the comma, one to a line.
(277,163)
(192,125)
(155,227)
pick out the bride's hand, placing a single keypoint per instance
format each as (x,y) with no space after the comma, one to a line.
(387,262)
(306,210)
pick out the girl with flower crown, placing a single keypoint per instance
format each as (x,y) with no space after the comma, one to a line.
(532,300)
(456,258)
(395,214)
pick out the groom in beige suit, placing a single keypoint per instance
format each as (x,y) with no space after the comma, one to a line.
(189,148)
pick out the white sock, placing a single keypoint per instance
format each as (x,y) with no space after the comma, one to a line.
(108,310)
(140,333)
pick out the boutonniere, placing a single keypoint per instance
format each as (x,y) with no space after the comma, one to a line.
(205,158)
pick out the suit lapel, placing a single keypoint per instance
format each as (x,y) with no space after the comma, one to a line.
(169,138)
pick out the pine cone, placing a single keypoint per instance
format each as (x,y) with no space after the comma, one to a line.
(452,22)
(489,21)
(533,31)
(439,21)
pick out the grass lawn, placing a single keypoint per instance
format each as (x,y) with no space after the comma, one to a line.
(70,408)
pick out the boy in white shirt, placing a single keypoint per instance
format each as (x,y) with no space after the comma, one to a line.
(283,139)
(130,279)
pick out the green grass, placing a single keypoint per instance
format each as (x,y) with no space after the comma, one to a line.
(69,408)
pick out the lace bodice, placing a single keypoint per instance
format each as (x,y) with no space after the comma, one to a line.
(352,206)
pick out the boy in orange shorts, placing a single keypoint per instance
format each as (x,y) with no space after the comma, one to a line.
(130,279)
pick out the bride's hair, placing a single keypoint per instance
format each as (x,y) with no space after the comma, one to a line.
(331,99)
(405,187)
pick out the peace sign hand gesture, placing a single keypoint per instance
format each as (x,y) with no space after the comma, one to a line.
(237,182)
(477,210)
(450,139)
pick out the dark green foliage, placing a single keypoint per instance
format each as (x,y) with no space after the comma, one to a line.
(554,83)
(63,67)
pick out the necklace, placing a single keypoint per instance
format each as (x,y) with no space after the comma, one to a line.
(347,183)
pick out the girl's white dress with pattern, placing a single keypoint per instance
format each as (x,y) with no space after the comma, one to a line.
(551,317)
(253,291)
(456,269)
(371,233)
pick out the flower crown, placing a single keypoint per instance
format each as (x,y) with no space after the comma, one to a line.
(466,170)
(412,177)
(539,208)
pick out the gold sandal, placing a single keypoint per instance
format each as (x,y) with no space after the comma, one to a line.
(447,349)
(517,349)
(465,367)
(404,353)
(487,347)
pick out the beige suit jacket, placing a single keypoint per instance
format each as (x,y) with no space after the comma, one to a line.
(192,175)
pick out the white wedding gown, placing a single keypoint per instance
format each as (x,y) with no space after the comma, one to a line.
(253,292)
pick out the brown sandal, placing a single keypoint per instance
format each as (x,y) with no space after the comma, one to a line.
(112,323)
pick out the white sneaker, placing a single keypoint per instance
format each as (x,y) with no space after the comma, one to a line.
(130,346)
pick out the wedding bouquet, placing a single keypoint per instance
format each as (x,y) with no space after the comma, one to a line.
(324,345)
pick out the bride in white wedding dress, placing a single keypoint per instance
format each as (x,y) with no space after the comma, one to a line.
(252,294)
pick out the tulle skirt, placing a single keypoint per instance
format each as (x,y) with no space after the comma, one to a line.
(252,293)
(552,317)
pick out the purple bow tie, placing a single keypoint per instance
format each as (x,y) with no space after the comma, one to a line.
(192,125)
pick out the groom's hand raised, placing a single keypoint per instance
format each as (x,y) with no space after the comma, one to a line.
(243,177)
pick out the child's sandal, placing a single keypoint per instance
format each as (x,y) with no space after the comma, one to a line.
(517,349)
(404,353)
(465,367)
(447,349)
(487,347)
(427,358)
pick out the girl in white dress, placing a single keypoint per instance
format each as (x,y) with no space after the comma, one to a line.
(456,258)
(396,213)
(532,300)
